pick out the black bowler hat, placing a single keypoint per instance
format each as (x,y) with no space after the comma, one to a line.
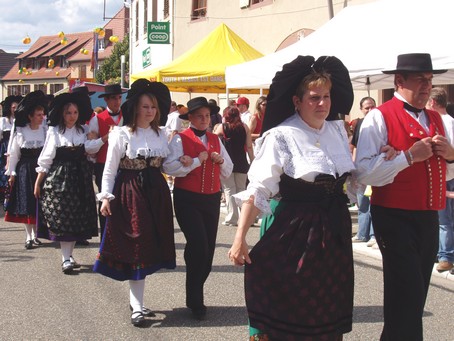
(112,89)
(56,107)
(283,87)
(194,104)
(83,90)
(143,86)
(214,108)
(414,63)
(28,105)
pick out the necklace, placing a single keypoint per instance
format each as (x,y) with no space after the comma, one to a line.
(316,134)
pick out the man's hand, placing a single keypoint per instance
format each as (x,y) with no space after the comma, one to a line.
(186,160)
(203,156)
(216,158)
(422,150)
(390,152)
(441,147)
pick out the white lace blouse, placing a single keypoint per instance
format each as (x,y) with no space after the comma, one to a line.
(299,151)
(24,137)
(69,138)
(144,142)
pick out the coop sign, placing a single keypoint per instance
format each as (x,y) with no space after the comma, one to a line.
(158,32)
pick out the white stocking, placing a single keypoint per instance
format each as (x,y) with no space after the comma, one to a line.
(66,250)
(136,291)
(29,231)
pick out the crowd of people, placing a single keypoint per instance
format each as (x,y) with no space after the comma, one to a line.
(289,162)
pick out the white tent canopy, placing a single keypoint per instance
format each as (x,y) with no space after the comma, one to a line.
(367,38)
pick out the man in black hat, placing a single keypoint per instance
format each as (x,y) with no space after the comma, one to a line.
(407,192)
(198,161)
(101,124)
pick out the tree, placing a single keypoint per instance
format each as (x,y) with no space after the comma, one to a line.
(110,70)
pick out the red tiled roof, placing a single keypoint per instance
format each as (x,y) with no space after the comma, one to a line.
(50,46)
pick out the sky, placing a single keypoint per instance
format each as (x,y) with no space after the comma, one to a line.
(35,18)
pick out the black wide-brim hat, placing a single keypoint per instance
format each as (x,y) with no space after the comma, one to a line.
(144,86)
(56,107)
(283,87)
(82,89)
(28,105)
(112,89)
(6,106)
(194,104)
(414,63)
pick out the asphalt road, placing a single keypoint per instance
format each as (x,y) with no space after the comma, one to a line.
(38,302)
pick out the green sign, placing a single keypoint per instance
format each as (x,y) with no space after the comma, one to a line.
(158,32)
(146,57)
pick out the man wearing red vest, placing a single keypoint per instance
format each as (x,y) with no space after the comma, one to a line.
(101,124)
(407,192)
(198,161)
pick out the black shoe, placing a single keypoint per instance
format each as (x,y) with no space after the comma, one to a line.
(137,319)
(29,244)
(36,241)
(83,242)
(145,312)
(199,313)
(74,263)
(67,267)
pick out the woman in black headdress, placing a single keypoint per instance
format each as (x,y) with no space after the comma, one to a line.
(64,184)
(26,144)
(299,276)
(139,236)
(9,106)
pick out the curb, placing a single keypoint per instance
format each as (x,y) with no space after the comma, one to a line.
(361,248)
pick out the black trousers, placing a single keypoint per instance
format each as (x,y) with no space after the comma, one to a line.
(408,242)
(198,217)
(98,170)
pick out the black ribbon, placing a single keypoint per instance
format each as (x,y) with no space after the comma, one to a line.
(412,109)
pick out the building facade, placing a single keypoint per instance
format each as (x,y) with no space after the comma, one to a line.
(56,62)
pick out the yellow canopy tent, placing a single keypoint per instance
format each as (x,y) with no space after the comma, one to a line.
(202,68)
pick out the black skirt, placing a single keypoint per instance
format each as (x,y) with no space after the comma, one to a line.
(67,210)
(139,235)
(299,285)
(21,206)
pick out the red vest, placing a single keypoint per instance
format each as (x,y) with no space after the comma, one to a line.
(206,178)
(421,186)
(105,121)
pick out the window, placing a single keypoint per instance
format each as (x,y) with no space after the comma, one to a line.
(17,90)
(166,9)
(259,3)
(199,9)
(55,88)
(42,87)
(137,22)
(82,71)
(145,16)
(101,44)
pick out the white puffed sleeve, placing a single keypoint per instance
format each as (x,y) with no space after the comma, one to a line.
(46,158)
(264,174)
(115,151)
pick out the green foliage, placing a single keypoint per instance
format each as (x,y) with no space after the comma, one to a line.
(110,70)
